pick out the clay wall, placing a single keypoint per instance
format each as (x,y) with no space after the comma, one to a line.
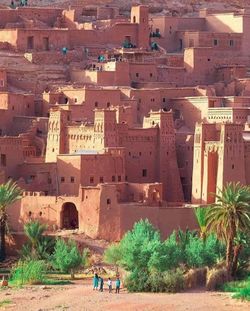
(39,176)
(192,109)
(148,99)
(140,72)
(247,159)
(79,138)
(34,205)
(107,12)
(165,219)
(231,163)
(235,115)
(168,27)
(246,36)
(3,80)
(90,211)
(11,150)
(172,75)
(54,57)
(141,149)
(69,174)
(109,217)
(184,154)
(46,15)
(116,34)
(227,74)
(89,170)
(9,36)
(226,22)
(55,39)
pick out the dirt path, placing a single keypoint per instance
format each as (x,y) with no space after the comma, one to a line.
(81,297)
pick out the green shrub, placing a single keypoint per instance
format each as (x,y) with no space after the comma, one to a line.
(174,281)
(28,272)
(38,247)
(66,257)
(152,264)
(201,253)
(167,256)
(241,288)
(244,257)
(137,281)
(169,281)
(243,293)
(138,246)
(155,282)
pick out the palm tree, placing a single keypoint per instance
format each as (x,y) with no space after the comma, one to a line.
(201,217)
(229,215)
(9,193)
(34,232)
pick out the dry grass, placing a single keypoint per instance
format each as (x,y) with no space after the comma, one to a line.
(216,278)
(195,278)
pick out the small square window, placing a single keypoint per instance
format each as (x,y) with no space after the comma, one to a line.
(96,104)
(101,180)
(119,178)
(231,42)
(113,178)
(108,201)
(72,179)
(144,173)
(91,179)
(215,42)
(62,179)
(137,75)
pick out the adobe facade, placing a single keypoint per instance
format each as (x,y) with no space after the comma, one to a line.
(108,119)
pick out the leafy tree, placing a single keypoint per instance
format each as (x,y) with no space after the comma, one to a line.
(200,253)
(229,215)
(138,246)
(66,257)
(9,193)
(168,255)
(38,246)
(113,255)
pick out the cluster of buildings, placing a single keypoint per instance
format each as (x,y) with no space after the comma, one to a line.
(107,119)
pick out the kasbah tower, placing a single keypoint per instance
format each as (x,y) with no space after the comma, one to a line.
(111,119)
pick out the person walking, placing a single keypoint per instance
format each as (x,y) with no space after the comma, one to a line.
(117,285)
(109,285)
(101,284)
(95,281)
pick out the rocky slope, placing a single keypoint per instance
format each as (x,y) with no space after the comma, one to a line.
(176,6)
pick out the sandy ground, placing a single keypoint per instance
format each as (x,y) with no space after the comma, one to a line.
(80,297)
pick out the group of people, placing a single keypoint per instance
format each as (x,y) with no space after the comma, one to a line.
(98,284)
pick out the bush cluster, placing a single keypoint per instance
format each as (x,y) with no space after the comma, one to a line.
(41,253)
(154,265)
(28,272)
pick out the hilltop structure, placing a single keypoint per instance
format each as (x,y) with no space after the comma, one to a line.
(107,119)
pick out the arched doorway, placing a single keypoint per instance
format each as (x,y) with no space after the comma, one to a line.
(69,216)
